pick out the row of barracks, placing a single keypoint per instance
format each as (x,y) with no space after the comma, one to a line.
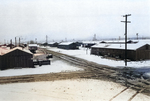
(135,50)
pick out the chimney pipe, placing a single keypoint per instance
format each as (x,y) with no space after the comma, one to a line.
(15,41)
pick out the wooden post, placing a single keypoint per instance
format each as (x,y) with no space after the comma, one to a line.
(126,43)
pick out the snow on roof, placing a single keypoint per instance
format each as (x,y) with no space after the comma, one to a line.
(52,42)
(130,46)
(33,45)
(25,50)
(115,40)
(3,50)
(66,43)
(119,41)
(24,42)
(90,42)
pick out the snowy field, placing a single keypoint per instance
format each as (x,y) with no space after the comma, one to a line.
(68,90)
(142,66)
(56,66)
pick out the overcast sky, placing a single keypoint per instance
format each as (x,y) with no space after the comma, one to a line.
(72,19)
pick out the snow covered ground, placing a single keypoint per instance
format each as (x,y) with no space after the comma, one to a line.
(68,90)
(56,66)
(84,53)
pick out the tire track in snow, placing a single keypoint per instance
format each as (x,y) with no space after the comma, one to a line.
(119,93)
(136,94)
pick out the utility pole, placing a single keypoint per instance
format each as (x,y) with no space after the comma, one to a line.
(126,36)
(36,40)
(10,41)
(94,38)
(11,44)
(4,41)
(126,21)
(46,39)
(66,39)
(119,38)
(137,35)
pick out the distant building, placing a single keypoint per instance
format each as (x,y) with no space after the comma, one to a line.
(53,44)
(45,44)
(33,47)
(16,58)
(79,43)
(88,44)
(42,59)
(68,45)
(11,46)
(135,50)
(3,45)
